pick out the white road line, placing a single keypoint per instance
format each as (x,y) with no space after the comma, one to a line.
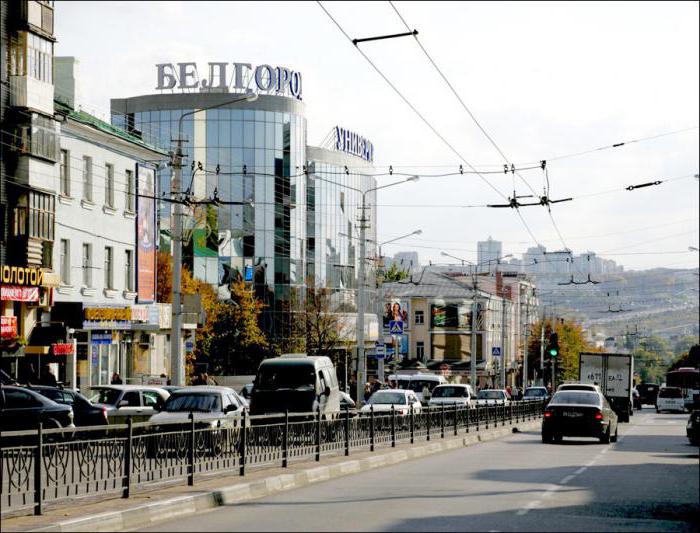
(529,506)
(567,479)
(581,470)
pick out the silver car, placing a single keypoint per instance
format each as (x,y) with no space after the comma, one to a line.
(122,401)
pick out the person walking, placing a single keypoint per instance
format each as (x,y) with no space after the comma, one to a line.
(116,379)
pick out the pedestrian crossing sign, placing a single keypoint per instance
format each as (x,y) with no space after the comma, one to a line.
(396,327)
(496,351)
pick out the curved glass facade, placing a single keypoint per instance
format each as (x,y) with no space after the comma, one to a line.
(296,230)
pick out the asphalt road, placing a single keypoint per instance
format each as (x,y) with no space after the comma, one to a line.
(647,481)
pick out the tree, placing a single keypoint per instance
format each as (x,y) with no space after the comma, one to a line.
(322,327)
(393,273)
(232,341)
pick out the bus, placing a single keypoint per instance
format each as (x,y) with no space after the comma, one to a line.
(688,380)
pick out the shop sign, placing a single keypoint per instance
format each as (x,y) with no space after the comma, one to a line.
(17,275)
(51,279)
(62,348)
(139,313)
(236,76)
(107,314)
(8,327)
(164,316)
(19,294)
(101,338)
(352,143)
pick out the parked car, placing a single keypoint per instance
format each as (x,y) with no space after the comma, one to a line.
(492,397)
(139,402)
(692,429)
(22,409)
(458,394)
(297,383)
(536,393)
(648,393)
(402,400)
(670,399)
(84,412)
(579,413)
(213,408)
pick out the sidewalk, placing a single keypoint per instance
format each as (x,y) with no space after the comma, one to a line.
(152,504)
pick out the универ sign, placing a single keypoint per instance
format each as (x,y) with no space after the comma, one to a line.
(354,144)
(237,76)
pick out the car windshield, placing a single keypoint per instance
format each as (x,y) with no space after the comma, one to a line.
(416,385)
(385,398)
(490,395)
(537,393)
(670,393)
(106,396)
(294,377)
(576,397)
(449,392)
(193,402)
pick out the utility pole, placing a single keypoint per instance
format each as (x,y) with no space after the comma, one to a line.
(503,341)
(361,362)
(527,346)
(542,350)
(475,310)
(177,370)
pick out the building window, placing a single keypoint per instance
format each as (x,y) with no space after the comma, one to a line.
(65,173)
(129,271)
(31,55)
(420,351)
(87,265)
(130,190)
(108,268)
(42,210)
(109,185)
(65,262)
(37,137)
(419,317)
(87,178)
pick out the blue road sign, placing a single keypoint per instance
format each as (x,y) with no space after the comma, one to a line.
(496,351)
(396,327)
(379,350)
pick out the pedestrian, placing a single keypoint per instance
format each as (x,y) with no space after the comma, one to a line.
(509,390)
(48,378)
(426,393)
(116,379)
(368,391)
(210,380)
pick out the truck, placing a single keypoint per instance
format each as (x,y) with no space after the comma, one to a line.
(613,372)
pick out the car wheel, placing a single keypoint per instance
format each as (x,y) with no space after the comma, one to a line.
(546,437)
(558,437)
(605,439)
(658,410)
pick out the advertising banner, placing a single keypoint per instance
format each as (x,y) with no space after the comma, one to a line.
(396,310)
(145,234)
(19,294)
(8,327)
(457,316)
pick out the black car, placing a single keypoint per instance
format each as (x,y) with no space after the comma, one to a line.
(84,412)
(693,428)
(22,409)
(648,393)
(574,413)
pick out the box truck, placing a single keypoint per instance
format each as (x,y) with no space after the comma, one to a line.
(613,372)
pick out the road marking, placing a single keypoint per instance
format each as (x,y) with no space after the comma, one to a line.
(567,479)
(581,470)
(529,506)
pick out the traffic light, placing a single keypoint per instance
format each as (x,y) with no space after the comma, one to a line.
(554,345)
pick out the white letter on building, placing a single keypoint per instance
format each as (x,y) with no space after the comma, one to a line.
(188,71)
(166,80)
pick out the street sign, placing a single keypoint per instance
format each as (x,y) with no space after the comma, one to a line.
(396,327)
(496,351)
(379,350)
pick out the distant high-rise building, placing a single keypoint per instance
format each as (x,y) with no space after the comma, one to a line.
(488,252)
(403,261)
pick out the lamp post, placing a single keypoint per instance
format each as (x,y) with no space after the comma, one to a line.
(177,366)
(380,362)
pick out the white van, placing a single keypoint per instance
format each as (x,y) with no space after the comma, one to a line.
(461,395)
(420,381)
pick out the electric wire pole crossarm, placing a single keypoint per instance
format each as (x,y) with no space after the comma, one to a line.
(177,366)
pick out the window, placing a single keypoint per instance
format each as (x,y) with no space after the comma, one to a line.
(87,178)
(151,398)
(18,399)
(108,268)
(420,350)
(65,262)
(132,398)
(129,190)
(37,137)
(65,172)
(109,185)
(419,317)
(31,55)
(87,265)
(128,270)
(42,211)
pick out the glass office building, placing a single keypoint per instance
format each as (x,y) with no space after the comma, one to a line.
(295,225)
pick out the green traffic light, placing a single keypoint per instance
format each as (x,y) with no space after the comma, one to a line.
(553,353)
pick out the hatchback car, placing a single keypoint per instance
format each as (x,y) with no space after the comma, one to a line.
(139,402)
(492,397)
(402,400)
(578,413)
(461,395)
(670,399)
(84,412)
(22,409)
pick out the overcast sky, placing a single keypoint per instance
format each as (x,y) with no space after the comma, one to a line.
(543,79)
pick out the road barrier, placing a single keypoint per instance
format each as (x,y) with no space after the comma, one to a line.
(49,465)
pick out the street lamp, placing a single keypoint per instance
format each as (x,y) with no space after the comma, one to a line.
(457,258)
(693,249)
(177,367)
(417,232)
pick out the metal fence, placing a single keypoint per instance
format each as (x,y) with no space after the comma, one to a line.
(49,465)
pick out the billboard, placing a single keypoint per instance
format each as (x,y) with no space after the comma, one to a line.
(145,234)
(450,315)
(396,310)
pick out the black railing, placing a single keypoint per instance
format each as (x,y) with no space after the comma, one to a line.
(48,465)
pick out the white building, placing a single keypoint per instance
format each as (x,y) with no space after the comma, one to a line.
(488,252)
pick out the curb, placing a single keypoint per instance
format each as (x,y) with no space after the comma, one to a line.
(150,514)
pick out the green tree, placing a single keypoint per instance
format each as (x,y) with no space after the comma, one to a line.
(394,273)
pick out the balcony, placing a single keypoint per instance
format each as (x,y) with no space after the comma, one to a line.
(28,92)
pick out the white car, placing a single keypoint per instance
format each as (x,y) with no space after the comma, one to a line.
(211,405)
(122,401)
(580,386)
(492,397)
(402,400)
(670,399)
(461,395)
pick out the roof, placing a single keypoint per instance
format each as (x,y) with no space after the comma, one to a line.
(203,389)
(429,284)
(91,120)
(129,387)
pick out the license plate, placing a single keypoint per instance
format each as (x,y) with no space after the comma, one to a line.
(572,414)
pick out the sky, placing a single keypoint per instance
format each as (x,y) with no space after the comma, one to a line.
(543,79)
